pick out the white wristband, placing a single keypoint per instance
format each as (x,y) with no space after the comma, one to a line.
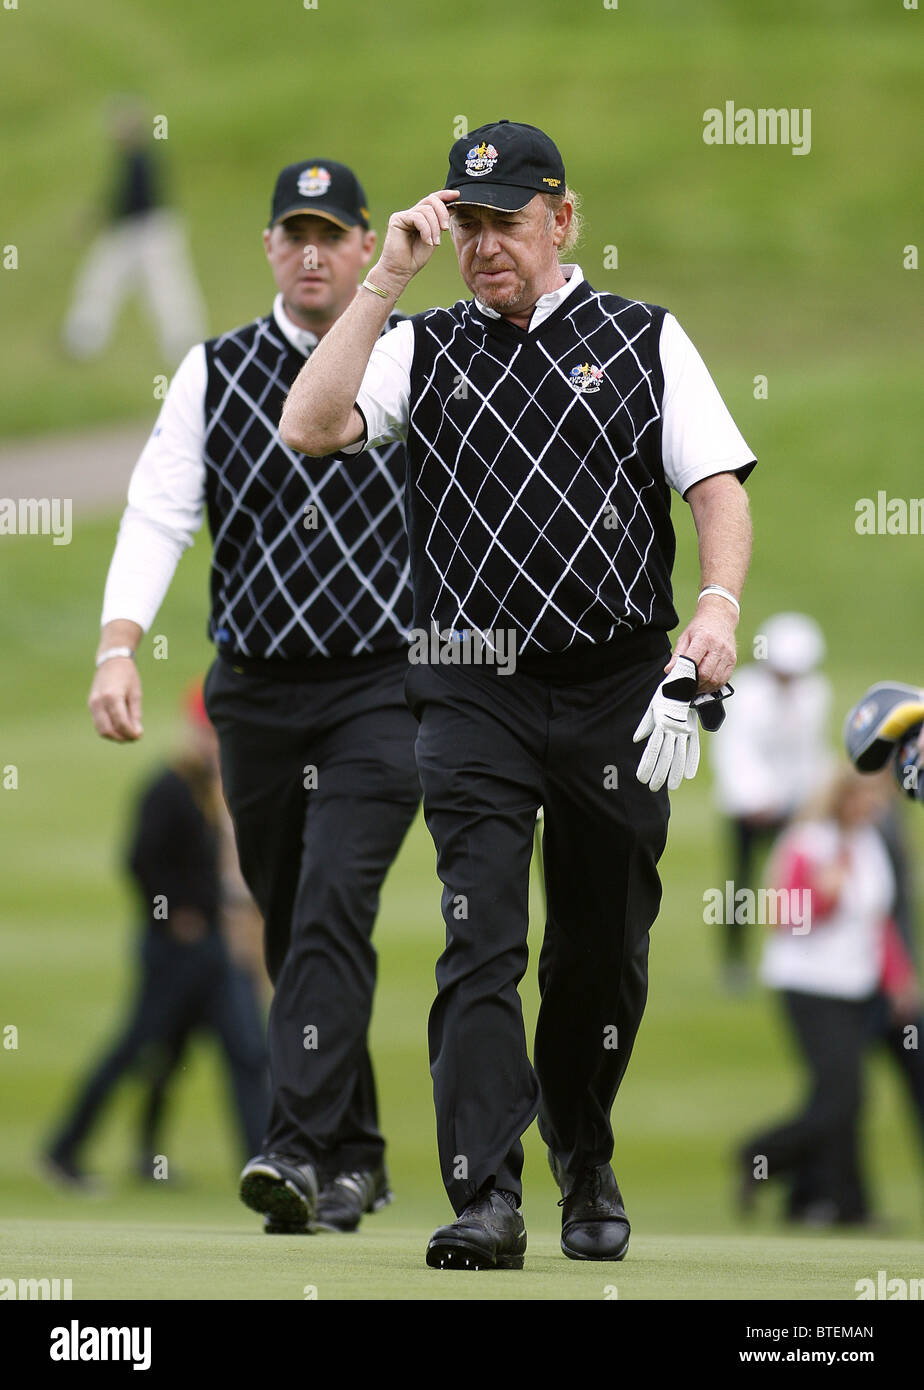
(111,652)
(723,593)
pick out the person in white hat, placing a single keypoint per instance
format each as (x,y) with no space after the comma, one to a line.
(771,754)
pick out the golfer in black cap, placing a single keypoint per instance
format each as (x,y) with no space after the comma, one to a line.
(311,602)
(546,423)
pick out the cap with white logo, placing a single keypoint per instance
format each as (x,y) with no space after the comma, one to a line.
(320,188)
(504,166)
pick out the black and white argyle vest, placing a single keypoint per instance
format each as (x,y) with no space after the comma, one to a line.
(310,555)
(537,500)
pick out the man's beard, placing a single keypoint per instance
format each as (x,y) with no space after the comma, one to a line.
(503,301)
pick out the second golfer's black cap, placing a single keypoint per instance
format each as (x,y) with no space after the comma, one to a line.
(504,166)
(322,188)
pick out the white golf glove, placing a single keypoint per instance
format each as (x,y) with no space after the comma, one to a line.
(672,751)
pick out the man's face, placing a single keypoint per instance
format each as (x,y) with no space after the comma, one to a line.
(316,264)
(507,258)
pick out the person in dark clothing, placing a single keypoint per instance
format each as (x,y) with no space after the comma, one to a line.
(141,247)
(544,424)
(310,609)
(242,929)
(187,980)
(165,1064)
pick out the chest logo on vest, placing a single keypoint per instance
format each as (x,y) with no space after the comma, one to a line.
(586,377)
(480,159)
(313,182)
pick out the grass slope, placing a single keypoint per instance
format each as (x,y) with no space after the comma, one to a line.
(770,259)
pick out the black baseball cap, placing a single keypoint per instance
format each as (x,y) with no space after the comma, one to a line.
(322,188)
(504,166)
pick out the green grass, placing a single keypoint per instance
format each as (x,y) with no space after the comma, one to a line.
(706,1069)
(788,267)
(227,1261)
(770,260)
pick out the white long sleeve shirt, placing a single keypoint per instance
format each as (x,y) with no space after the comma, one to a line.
(166,494)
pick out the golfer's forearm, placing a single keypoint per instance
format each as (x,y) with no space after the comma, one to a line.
(723,526)
(316,418)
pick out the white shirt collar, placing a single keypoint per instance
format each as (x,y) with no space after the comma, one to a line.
(547,303)
(300,338)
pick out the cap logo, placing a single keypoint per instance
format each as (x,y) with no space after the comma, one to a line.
(480,159)
(553,183)
(586,378)
(313,182)
(865,716)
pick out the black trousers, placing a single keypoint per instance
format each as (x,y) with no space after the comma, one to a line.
(320,780)
(183,986)
(242,1006)
(747,841)
(490,750)
(908,1060)
(817,1151)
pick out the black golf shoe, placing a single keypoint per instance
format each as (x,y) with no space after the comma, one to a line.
(489,1234)
(283,1228)
(594,1225)
(284,1190)
(348,1197)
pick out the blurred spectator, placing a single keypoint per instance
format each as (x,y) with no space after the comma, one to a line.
(897,1018)
(187,979)
(829,978)
(141,248)
(242,928)
(770,754)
